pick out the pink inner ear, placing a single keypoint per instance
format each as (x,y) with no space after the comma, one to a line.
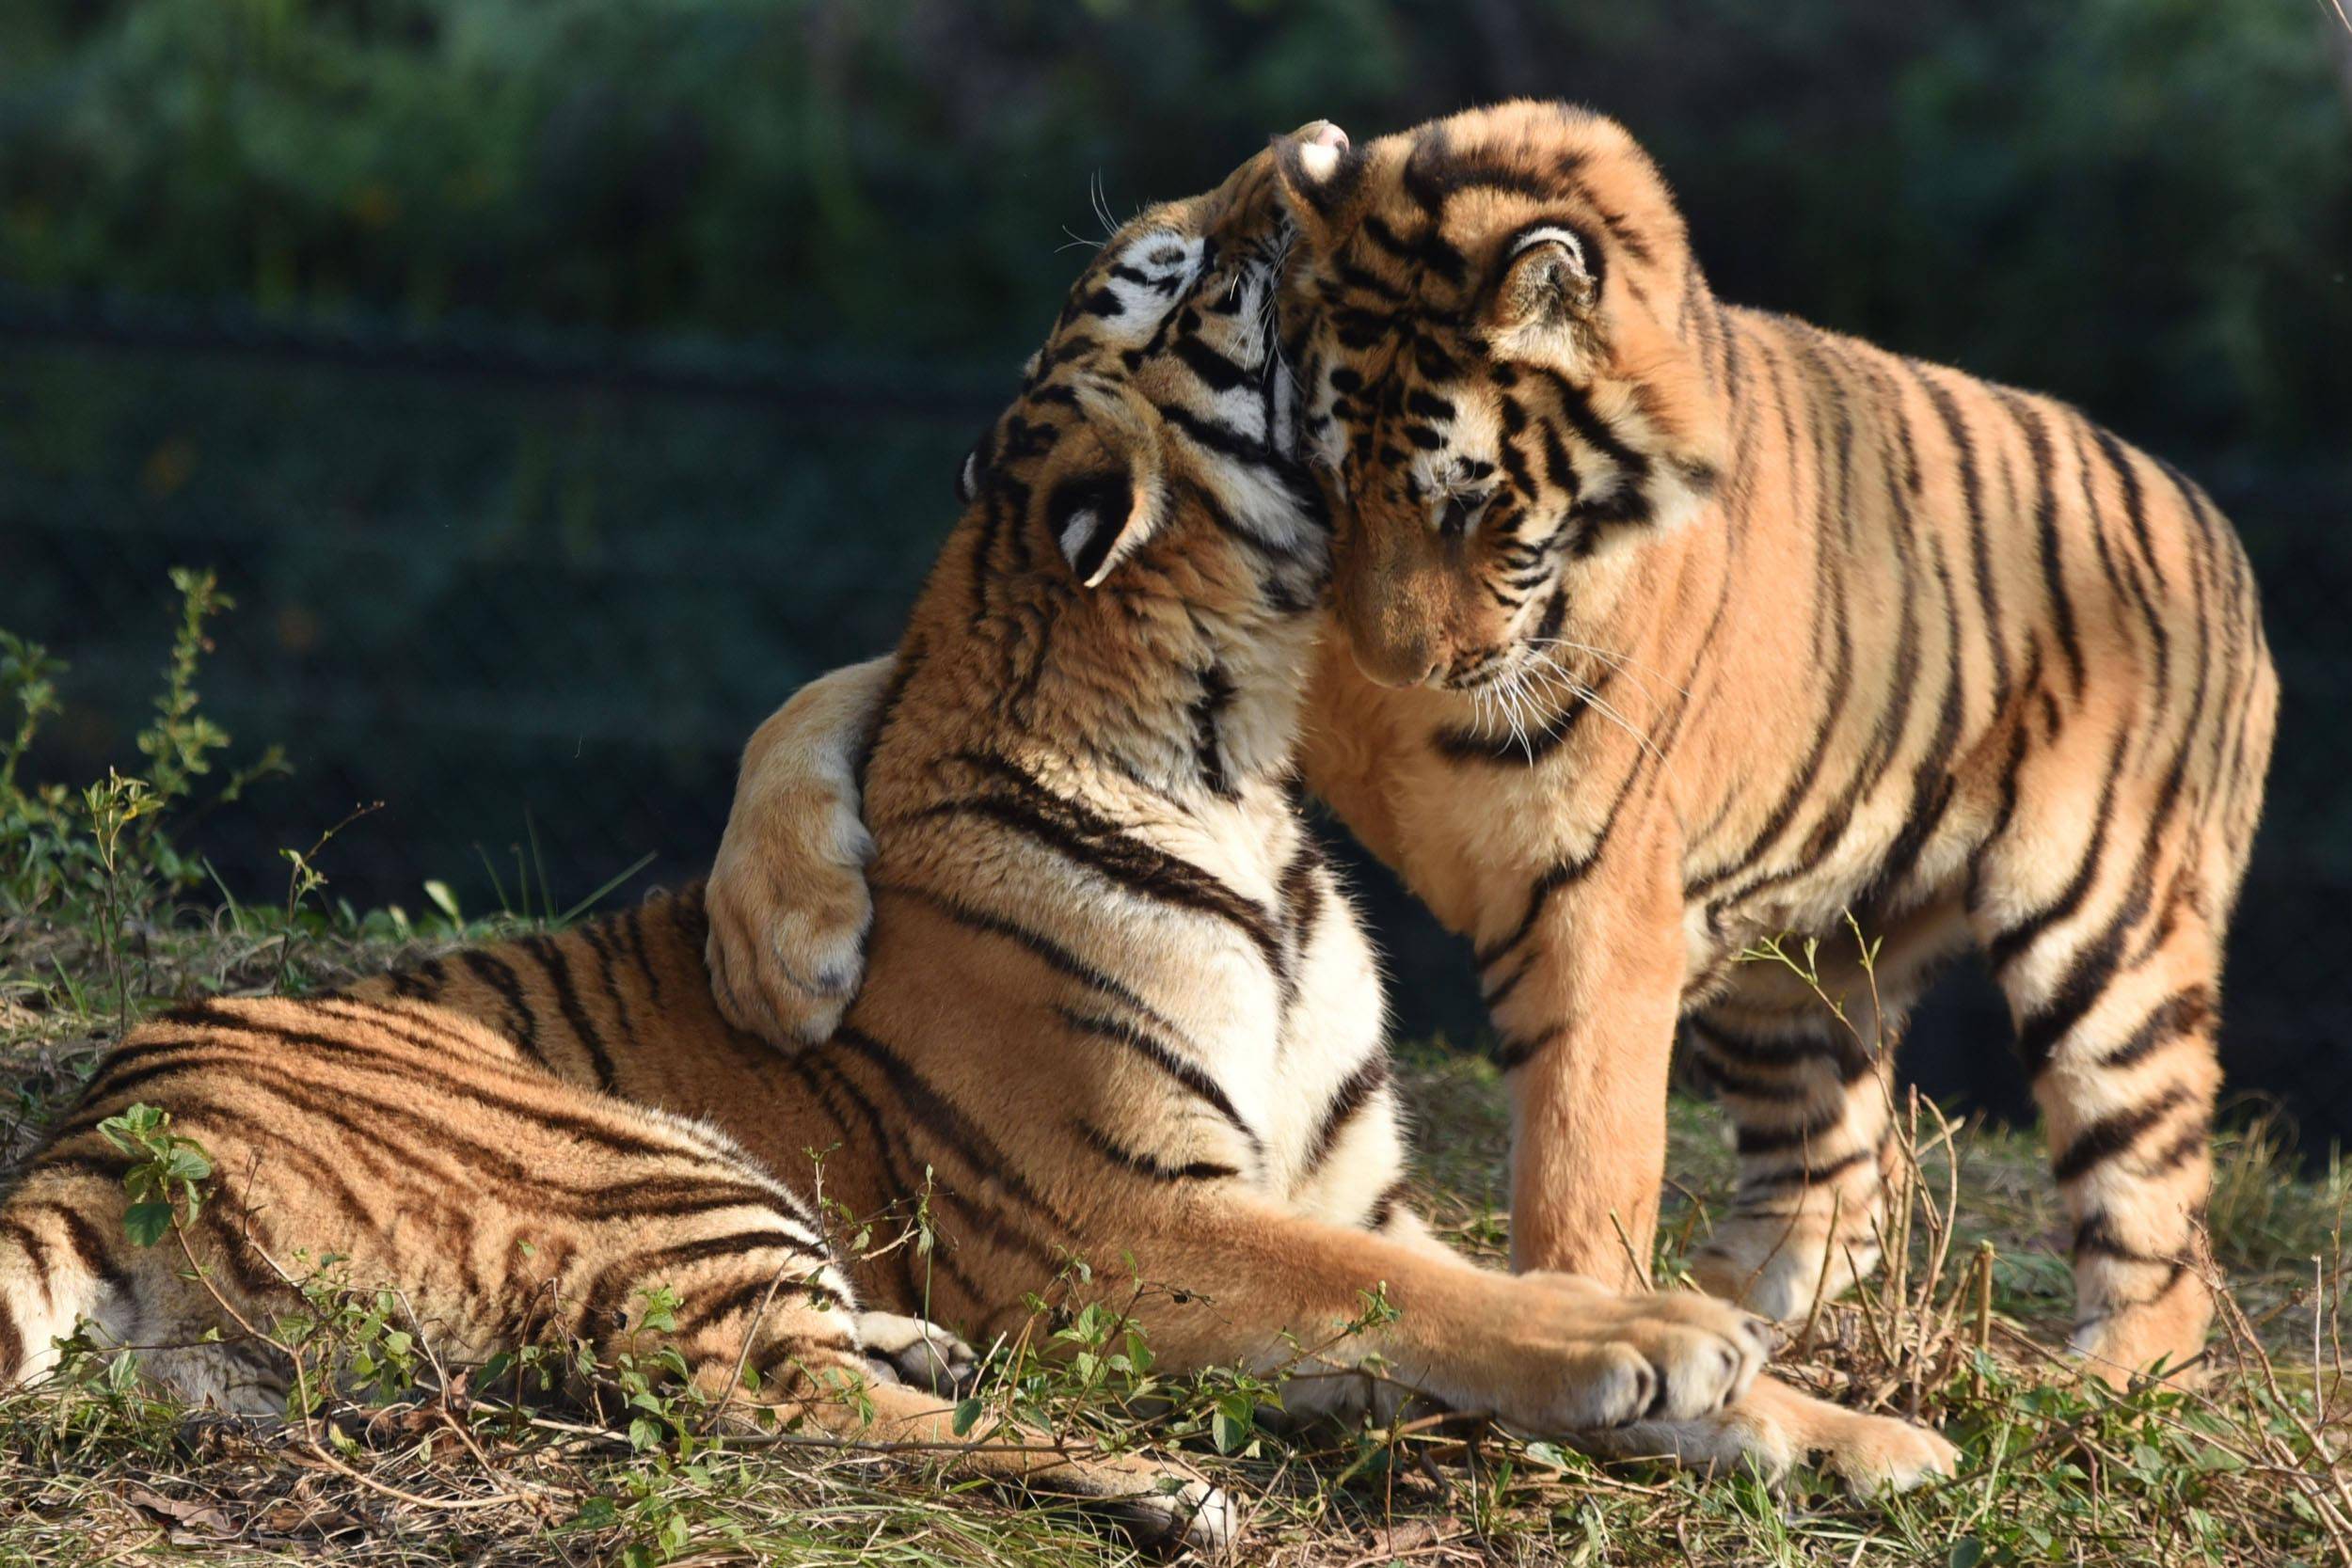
(1324,134)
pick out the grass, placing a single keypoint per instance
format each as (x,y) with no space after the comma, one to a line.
(104,916)
(2243,1473)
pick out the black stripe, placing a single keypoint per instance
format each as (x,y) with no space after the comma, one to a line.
(246,1033)
(1750,1139)
(1217,695)
(1737,1082)
(1144,1163)
(558,969)
(1932,782)
(1979,547)
(495,974)
(1465,744)
(656,1266)
(1851,1059)
(2045,522)
(632,924)
(825,1080)
(609,979)
(776,1291)
(2095,1237)
(1217,372)
(1383,1208)
(1346,1104)
(2007,946)
(987,1161)
(2112,1135)
(1801,1176)
(1513,1052)
(1167,1059)
(1044,948)
(1079,833)
(423,983)
(603,1200)
(2186,1011)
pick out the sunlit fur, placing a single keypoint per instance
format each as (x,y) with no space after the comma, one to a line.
(1115,1001)
(1117,1010)
(1673,626)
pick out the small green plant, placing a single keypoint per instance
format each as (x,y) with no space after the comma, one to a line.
(113,843)
(165,1181)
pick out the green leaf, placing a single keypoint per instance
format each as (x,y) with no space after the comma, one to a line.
(1966,1553)
(148,1223)
(443,899)
(967,1415)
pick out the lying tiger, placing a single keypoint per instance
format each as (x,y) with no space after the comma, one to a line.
(1116,1009)
(1665,627)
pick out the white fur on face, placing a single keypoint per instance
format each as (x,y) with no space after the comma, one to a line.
(1148,279)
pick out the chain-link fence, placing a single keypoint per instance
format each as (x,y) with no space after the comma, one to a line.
(533,595)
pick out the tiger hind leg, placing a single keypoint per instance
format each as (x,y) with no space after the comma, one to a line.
(1811,1110)
(2116,1017)
(70,1274)
(2111,961)
(799,1350)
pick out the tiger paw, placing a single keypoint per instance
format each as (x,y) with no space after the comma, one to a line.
(1592,1359)
(1775,1428)
(916,1352)
(787,899)
(788,948)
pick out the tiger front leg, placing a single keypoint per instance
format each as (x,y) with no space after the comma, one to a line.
(1583,974)
(1253,1285)
(787,899)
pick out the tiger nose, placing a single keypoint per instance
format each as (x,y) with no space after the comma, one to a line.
(1401,662)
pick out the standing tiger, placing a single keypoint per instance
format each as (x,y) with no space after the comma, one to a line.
(1117,1007)
(1667,626)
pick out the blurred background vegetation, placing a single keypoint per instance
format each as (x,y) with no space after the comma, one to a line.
(558,383)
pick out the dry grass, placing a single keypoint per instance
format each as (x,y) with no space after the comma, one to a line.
(1958,1332)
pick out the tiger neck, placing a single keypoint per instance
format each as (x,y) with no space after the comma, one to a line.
(1205,727)
(1153,704)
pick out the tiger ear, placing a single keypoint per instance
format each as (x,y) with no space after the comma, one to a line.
(973,470)
(1099,520)
(1546,282)
(1318,170)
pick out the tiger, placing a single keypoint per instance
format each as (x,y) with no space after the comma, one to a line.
(1117,1013)
(1665,630)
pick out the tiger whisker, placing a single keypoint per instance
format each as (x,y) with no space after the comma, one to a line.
(1542,663)
(1101,202)
(1624,664)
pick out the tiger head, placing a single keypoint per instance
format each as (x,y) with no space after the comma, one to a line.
(1143,505)
(1508,351)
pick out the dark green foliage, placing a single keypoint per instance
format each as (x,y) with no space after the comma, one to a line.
(2147,203)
